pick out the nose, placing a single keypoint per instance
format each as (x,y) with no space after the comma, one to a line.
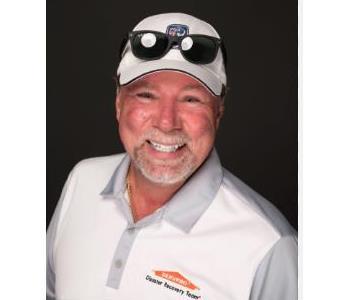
(167,117)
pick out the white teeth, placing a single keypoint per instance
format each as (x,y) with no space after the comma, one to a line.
(165,148)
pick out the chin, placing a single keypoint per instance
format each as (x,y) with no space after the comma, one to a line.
(165,178)
(165,172)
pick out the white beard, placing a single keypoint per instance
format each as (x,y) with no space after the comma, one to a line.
(165,171)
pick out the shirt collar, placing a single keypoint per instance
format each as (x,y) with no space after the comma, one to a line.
(190,202)
(116,185)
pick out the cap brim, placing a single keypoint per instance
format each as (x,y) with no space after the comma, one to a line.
(199,72)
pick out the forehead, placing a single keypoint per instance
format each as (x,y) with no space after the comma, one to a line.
(169,80)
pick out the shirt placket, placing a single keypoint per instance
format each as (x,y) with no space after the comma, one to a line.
(126,241)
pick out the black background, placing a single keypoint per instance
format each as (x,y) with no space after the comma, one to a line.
(258,136)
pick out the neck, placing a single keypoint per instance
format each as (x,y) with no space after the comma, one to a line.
(147,196)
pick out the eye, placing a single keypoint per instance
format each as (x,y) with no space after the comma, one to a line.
(191,99)
(146,95)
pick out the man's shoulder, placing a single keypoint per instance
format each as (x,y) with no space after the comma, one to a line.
(255,203)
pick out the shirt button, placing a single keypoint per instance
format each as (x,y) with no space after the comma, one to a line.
(131,230)
(118,263)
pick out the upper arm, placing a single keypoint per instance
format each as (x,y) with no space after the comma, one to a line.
(51,236)
(277,275)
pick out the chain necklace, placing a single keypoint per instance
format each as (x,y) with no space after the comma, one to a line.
(128,189)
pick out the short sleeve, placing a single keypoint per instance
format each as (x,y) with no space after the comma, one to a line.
(277,275)
(50,241)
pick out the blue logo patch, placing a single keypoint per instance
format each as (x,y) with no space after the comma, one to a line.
(177,30)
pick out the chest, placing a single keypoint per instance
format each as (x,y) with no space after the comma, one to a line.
(98,257)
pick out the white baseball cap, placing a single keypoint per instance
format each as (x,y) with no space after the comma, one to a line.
(212,75)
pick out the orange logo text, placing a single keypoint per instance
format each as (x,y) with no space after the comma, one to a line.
(177,278)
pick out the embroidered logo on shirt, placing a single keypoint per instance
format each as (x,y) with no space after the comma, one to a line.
(182,286)
(177,278)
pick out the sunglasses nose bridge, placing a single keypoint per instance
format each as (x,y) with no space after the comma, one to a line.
(174,42)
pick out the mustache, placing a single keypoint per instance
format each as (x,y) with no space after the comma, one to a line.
(173,137)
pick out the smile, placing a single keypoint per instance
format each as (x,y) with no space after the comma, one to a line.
(165,148)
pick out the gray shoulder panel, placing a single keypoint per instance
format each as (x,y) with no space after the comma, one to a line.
(277,274)
(106,162)
(259,204)
(50,241)
(276,277)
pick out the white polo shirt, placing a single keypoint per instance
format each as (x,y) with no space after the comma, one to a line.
(216,239)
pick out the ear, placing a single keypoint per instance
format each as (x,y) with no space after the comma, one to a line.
(220,112)
(117,106)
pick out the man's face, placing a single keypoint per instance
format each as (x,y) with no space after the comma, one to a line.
(167,123)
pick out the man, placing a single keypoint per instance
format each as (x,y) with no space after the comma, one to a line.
(165,220)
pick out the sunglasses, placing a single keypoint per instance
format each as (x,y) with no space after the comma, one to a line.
(195,48)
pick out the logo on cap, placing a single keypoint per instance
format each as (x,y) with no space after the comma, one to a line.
(177,30)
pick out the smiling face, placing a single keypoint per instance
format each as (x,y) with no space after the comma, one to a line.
(167,123)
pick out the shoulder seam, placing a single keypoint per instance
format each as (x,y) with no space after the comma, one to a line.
(255,211)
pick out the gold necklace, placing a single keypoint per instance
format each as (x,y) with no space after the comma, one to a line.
(128,188)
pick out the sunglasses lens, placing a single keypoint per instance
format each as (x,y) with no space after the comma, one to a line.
(200,50)
(149,45)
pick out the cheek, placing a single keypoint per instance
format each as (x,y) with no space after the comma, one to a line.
(201,127)
(134,118)
(132,124)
